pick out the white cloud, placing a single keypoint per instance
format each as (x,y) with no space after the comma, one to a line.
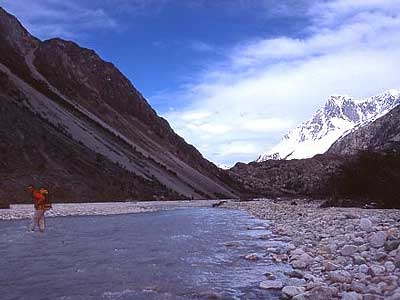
(268,85)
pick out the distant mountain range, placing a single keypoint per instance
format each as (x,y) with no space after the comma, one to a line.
(73,123)
(339,116)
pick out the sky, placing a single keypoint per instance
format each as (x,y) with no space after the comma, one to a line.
(233,76)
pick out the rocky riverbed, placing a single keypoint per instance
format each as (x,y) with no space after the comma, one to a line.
(336,253)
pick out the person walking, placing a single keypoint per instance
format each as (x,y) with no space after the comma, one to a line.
(39,199)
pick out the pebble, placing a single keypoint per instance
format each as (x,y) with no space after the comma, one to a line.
(351,296)
(357,286)
(376,270)
(358,260)
(348,250)
(270,276)
(390,266)
(330,266)
(294,274)
(375,297)
(252,256)
(358,241)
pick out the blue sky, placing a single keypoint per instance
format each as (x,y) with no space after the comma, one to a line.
(232,77)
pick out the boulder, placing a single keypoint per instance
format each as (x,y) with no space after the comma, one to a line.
(292,291)
(391,245)
(376,270)
(378,239)
(271,284)
(340,276)
(348,250)
(302,261)
(366,224)
(351,296)
(363,269)
(316,293)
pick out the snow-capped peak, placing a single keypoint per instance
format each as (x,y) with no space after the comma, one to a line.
(336,118)
(393,92)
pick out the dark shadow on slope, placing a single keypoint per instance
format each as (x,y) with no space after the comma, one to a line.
(370,177)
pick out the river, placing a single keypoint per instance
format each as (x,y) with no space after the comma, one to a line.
(194,253)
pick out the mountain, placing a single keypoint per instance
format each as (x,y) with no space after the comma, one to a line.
(361,168)
(337,118)
(74,123)
(382,135)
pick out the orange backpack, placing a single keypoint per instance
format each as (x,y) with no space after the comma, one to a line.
(47,202)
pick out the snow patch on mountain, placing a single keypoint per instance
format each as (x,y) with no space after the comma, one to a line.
(339,116)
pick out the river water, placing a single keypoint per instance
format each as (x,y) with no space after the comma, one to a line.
(178,254)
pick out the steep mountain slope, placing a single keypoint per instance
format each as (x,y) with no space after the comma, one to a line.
(73,122)
(382,135)
(339,115)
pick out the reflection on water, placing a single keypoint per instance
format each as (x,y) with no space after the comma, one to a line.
(178,254)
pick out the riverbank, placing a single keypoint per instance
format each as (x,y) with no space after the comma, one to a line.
(338,253)
(24,211)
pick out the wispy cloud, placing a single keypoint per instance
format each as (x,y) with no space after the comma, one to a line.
(268,85)
(77,18)
(191,44)
(55,18)
(201,46)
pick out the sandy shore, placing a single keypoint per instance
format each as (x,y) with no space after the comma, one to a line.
(23,211)
(337,253)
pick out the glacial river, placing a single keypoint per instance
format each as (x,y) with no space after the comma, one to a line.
(195,253)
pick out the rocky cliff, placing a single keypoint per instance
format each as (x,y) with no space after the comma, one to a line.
(382,135)
(74,123)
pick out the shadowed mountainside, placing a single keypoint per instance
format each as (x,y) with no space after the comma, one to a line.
(74,123)
(373,173)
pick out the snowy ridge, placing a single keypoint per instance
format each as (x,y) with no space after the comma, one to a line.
(339,116)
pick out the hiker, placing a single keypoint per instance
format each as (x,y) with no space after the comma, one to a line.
(39,200)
